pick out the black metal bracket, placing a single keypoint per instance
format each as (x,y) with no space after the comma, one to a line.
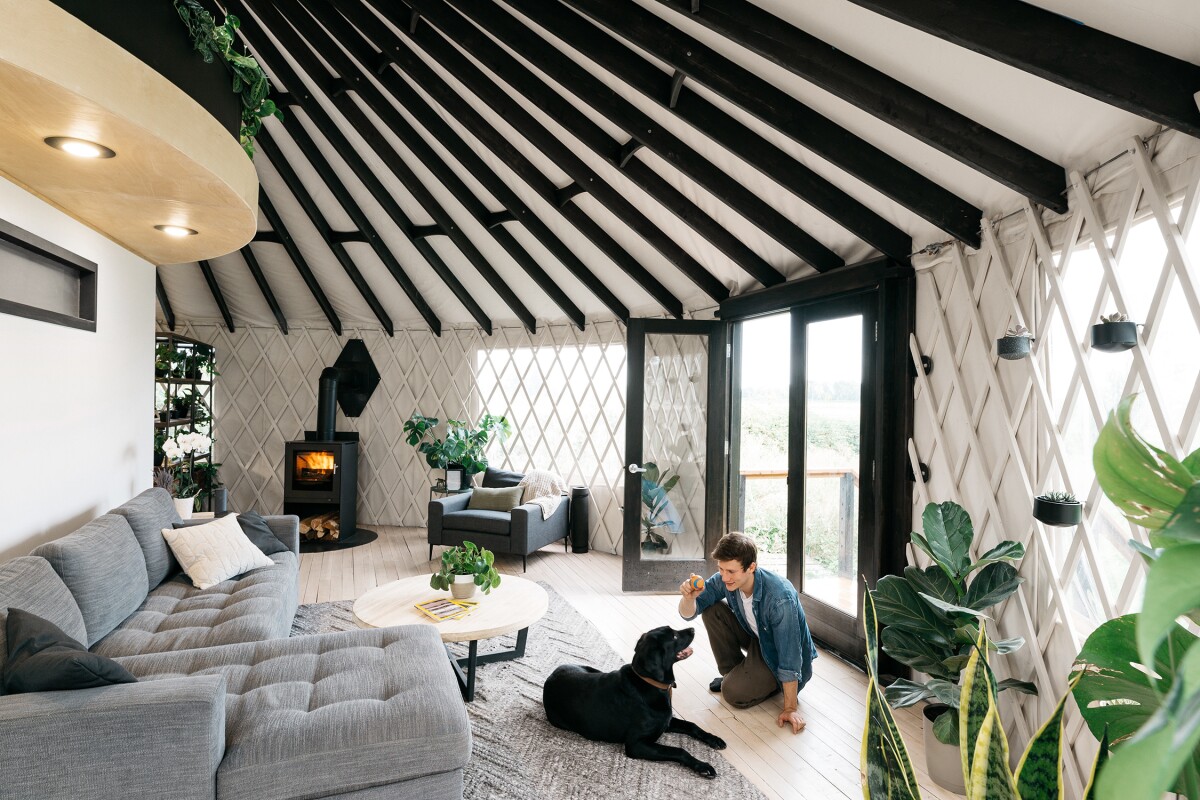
(676,87)
(924,472)
(926,366)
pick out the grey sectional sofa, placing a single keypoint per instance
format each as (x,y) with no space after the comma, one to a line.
(225,705)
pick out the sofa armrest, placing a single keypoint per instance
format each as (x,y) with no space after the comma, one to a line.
(286,528)
(530,532)
(136,741)
(440,507)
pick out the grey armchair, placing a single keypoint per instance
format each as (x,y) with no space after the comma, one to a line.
(518,532)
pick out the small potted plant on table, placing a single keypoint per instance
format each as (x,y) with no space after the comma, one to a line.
(464,568)
(1014,345)
(1059,509)
(1114,333)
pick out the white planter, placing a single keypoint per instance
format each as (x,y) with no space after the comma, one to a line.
(184,506)
(942,760)
(463,587)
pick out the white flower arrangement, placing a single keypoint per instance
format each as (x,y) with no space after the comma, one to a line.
(175,475)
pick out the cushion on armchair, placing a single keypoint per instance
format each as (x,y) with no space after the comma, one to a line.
(500,478)
(478,521)
(485,499)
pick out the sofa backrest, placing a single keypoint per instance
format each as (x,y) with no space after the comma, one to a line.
(103,566)
(31,584)
(148,514)
(500,478)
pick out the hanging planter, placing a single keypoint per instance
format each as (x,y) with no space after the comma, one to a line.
(1059,509)
(1014,345)
(1114,333)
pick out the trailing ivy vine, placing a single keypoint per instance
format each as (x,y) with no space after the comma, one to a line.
(249,79)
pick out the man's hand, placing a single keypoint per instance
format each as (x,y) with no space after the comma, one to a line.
(791,717)
(687,603)
(687,589)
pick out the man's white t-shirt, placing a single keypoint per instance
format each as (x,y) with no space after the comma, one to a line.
(748,607)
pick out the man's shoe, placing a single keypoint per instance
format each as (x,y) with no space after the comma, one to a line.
(715,685)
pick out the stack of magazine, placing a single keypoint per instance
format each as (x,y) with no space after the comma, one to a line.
(443,608)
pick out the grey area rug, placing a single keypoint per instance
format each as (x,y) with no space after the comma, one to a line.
(518,755)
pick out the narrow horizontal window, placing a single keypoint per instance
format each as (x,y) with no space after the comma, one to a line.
(40,280)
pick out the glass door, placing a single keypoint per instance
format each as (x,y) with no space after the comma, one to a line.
(675,451)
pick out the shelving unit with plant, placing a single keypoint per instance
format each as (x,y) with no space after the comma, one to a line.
(184,370)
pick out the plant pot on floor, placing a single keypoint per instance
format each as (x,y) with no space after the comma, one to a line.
(1058,514)
(463,587)
(942,760)
(184,506)
(1113,337)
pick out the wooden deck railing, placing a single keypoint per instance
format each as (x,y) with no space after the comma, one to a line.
(847,543)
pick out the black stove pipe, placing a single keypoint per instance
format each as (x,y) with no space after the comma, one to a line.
(327,403)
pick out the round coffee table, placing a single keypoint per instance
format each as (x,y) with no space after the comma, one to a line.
(512,606)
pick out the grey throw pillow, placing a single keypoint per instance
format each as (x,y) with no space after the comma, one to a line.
(41,658)
(500,478)
(507,499)
(256,529)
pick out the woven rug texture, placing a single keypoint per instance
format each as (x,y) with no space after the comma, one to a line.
(518,755)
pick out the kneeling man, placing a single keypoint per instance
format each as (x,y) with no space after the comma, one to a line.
(756,627)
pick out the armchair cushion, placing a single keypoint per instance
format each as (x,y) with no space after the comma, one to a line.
(485,499)
(478,521)
(500,478)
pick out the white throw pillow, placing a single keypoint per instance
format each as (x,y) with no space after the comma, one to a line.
(215,551)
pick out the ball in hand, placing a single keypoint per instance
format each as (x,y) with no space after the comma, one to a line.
(697,583)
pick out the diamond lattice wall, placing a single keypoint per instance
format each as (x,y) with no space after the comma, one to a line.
(563,389)
(997,433)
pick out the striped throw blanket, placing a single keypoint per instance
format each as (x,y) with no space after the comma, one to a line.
(543,489)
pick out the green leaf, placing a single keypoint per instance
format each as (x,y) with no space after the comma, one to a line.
(945,727)
(1149,554)
(871,633)
(990,777)
(950,608)
(974,702)
(1090,793)
(955,664)
(1172,589)
(1005,551)
(932,581)
(1024,687)
(1040,772)
(886,767)
(992,585)
(948,530)
(916,651)
(1192,464)
(899,606)
(904,693)
(1184,524)
(1149,764)
(1145,483)
(946,692)
(1005,646)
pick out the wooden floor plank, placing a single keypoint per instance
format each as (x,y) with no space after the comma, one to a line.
(820,763)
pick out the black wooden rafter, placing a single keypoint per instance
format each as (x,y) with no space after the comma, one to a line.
(886,98)
(260,278)
(218,296)
(483,87)
(296,186)
(1089,61)
(637,71)
(275,220)
(396,52)
(773,106)
(328,49)
(299,96)
(644,132)
(164,302)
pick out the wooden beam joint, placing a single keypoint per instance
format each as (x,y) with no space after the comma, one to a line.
(676,87)
(268,236)
(337,87)
(497,218)
(425,231)
(341,237)
(563,196)
(627,150)
(413,19)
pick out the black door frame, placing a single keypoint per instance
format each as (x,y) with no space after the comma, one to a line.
(658,575)
(888,289)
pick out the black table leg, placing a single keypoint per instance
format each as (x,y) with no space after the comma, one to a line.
(466,680)
(472,660)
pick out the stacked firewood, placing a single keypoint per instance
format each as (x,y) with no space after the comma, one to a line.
(324,527)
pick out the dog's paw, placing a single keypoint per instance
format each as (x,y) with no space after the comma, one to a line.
(715,742)
(704,770)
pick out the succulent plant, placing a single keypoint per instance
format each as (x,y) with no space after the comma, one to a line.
(1059,497)
(1018,330)
(1116,316)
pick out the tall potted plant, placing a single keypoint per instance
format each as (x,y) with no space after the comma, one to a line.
(931,620)
(658,513)
(463,445)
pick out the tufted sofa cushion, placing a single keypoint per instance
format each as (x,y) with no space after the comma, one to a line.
(325,715)
(177,616)
(148,514)
(103,566)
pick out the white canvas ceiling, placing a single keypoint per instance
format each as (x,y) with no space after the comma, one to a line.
(1073,131)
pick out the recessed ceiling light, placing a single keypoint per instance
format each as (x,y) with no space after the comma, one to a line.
(177,231)
(79,147)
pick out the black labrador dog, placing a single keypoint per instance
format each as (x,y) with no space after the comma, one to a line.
(631,705)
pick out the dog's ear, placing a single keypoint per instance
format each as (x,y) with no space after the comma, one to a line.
(651,657)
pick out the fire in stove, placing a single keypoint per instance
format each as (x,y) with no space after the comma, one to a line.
(314,466)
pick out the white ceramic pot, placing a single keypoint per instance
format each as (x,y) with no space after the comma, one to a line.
(184,506)
(463,587)
(942,760)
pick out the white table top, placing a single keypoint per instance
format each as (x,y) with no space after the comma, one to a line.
(515,604)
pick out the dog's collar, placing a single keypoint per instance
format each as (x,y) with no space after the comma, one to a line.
(666,687)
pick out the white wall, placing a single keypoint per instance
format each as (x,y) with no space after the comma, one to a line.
(75,407)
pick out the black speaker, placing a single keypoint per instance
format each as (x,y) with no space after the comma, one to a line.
(579,519)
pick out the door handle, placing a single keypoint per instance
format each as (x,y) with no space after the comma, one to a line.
(634,469)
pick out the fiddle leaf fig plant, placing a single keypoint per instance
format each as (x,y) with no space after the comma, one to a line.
(932,616)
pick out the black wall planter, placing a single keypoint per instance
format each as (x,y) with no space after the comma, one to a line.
(1113,337)
(1013,348)
(1060,515)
